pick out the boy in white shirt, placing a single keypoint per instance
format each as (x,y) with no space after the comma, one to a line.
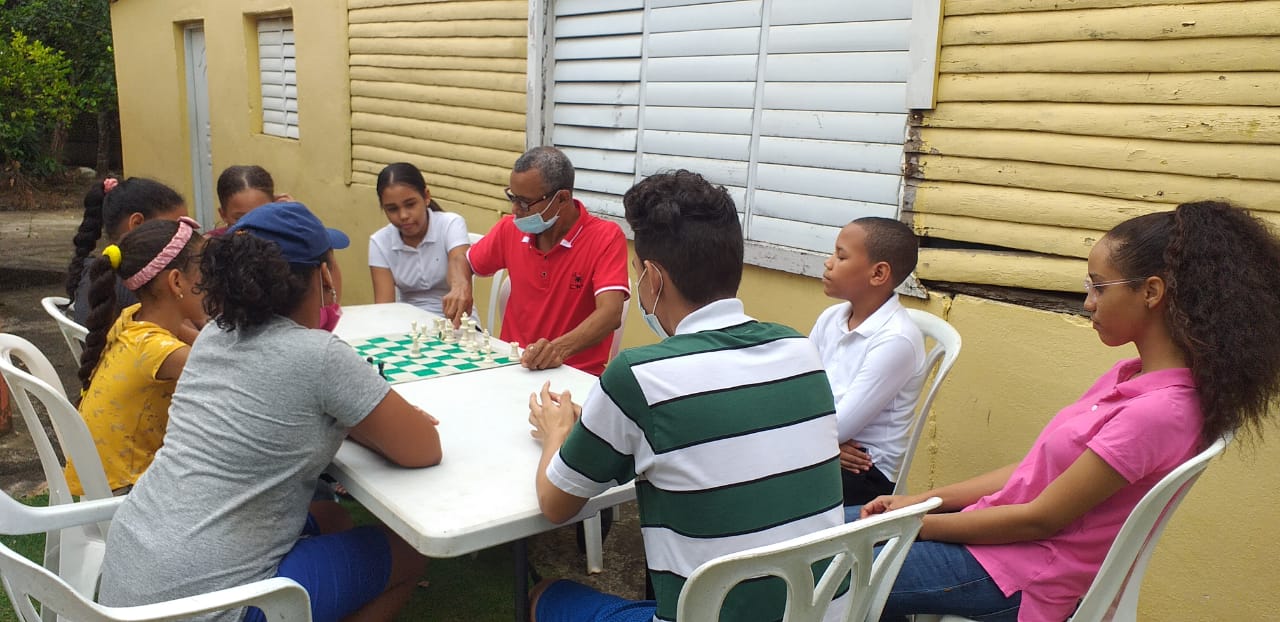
(873,353)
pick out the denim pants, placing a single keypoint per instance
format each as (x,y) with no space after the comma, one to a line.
(942,578)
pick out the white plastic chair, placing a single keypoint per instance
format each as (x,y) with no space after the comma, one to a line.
(76,553)
(851,548)
(282,600)
(592,531)
(1113,595)
(73,333)
(941,357)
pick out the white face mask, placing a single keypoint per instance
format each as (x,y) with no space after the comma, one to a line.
(649,318)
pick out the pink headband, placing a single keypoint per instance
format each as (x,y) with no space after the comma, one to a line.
(109,184)
(171,250)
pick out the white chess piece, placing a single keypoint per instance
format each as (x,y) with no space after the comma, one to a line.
(415,349)
(515,351)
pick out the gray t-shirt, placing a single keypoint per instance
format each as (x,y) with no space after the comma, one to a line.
(256,416)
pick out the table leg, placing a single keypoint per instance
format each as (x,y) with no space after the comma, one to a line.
(522,579)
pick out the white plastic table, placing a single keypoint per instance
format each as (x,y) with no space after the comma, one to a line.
(482,492)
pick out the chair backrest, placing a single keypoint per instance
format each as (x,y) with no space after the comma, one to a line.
(939,360)
(499,291)
(502,291)
(73,436)
(281,599)
(1114,592)
(851,551)
(73,333)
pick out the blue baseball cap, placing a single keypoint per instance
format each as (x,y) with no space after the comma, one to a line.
(302,238)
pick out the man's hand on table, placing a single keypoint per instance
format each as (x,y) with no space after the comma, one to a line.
(552,415)
(456,303)
(544,354)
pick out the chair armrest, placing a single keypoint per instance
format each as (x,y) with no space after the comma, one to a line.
(18,519)
(281,599)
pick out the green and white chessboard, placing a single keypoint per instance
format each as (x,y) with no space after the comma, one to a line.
(435,358)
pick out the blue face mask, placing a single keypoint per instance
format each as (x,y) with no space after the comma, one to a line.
(649,318)
(533,224)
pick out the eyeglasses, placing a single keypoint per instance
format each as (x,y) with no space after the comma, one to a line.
(522,204)
(1095,289)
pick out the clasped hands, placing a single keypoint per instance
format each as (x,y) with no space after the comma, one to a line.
(552,415)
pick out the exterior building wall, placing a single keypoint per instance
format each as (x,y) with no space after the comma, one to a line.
(437,72)
(440,85)
(1057,120)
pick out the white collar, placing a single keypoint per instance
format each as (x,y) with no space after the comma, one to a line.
(714,315)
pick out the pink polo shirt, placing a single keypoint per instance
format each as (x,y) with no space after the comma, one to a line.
(1143,428)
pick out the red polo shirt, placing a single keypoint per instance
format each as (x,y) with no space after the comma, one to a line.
(553,292)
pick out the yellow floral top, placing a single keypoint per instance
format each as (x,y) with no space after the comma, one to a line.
(126,407)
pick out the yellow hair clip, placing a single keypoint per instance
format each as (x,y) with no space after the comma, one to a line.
(112,252)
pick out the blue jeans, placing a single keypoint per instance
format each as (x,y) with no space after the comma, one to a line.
(942,578)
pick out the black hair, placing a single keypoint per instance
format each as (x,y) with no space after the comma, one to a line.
(691,228)
(108,210)
(137,249)
(892,242)
(247,280)
(409,175)
(240,177)
(1219,265)
(553,167)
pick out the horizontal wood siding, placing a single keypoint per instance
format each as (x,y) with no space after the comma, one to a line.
(440,85)
(1057,119)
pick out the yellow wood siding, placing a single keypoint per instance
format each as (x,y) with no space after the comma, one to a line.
(440,85)
(1057,119)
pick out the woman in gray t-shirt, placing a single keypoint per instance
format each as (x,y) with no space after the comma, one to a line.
(261,408)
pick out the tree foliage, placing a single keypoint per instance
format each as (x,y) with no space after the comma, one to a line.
(56,61)
(81,29)
(35,96)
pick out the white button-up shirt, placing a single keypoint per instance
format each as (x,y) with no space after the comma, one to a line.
(876,372)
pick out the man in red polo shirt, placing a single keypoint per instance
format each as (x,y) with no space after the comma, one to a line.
(568,268)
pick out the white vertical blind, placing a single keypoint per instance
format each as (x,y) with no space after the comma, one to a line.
(798,107)
(278,73)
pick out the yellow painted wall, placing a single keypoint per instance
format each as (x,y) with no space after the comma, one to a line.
(317,169)
(1056,120)
(1018,367)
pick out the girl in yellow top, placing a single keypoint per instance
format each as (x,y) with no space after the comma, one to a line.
(130,365)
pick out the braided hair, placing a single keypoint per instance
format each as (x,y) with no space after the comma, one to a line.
(107,206)
(135,252)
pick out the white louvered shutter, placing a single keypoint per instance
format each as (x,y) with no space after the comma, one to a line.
(798,107)
(279,77)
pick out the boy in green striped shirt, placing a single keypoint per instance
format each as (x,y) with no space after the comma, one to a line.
(728,424)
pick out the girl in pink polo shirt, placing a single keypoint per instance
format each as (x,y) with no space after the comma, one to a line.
(1197,292)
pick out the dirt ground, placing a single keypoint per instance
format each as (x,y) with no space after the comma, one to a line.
(35,247)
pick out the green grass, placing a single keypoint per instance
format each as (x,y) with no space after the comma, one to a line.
(460,590)
(32,546)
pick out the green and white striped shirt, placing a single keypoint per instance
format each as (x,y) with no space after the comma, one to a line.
(730,426)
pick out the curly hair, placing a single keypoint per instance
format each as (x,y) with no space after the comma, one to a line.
(105,210)
(247,281)
(409,175)
(1219,265)
(137,249)
(691,228)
